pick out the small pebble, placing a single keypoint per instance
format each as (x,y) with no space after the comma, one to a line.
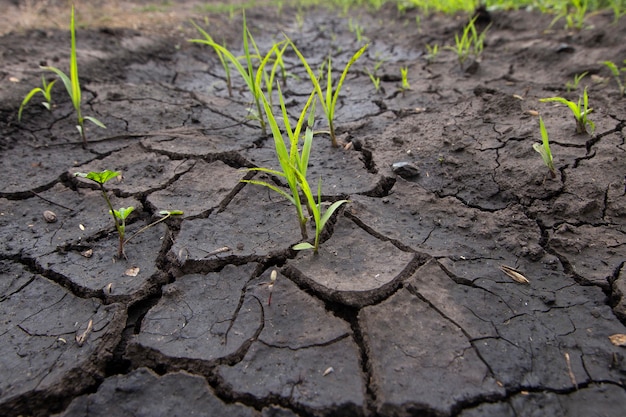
(405,169)
(49,216)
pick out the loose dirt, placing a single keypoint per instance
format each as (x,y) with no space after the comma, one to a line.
(405,311)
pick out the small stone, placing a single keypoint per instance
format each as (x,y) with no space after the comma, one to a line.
(49,216)
(405,169)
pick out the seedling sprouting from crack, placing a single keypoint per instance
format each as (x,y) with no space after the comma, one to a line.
(580,110)
(72,85)
(328,100)
(45,90)
(617,73)
(544,148)
(251,77)
(120,215)
(294,163)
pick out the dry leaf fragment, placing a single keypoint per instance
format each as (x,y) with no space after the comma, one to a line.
(514,274)
(132,271)
(618,339)
(328,370)
(87,253)
(80,338)
(533,112)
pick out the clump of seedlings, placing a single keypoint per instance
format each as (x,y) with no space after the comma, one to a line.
(574,12)
(431,52)
(617,74)
(248,72)
(544,148)
(580,110)
(120,215)
(72,85)
(469,43)
(328,99)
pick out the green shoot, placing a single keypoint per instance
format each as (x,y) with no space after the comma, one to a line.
(356,28)
(45,91)
(248,73)
(544,148)
(328,100)
(375,79)
(404,72)
(570,86)
(617,72)
(574,12)
(432,52)
(72,85)
(580,111)
(119,216)
(470,42)
(220,56)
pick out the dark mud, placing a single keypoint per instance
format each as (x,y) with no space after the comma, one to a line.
(405,311)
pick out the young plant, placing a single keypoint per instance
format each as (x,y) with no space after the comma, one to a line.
(45,92)
(544,148)
(220,56)
(120,215)
(574,12)
(375,79)
(247,73)
(432,52)
(72,85)
(328,100)
(617,72)
(470,42)
(404,73)
(580,110)
(574,84)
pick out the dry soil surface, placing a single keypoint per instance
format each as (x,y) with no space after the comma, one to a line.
(404,312)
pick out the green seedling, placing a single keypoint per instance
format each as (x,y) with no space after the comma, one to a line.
(470,42)
(294,164)
(574,12)
(404,73)
(375,79)
(544,148)
(220,56)
(432,52)
(580,110)
(570,86)
(356,28)
(120,215)
(72,85)
(46,92)
(328,100)
(617,73)
(247,73)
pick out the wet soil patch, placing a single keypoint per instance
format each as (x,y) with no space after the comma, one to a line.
(405,310)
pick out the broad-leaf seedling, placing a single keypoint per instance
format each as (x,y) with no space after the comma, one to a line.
(46,92)
(328,100)
(120,215)
(72,85)
(544,148)
(580,110)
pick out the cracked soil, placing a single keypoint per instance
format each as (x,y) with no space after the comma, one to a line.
(404,312)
